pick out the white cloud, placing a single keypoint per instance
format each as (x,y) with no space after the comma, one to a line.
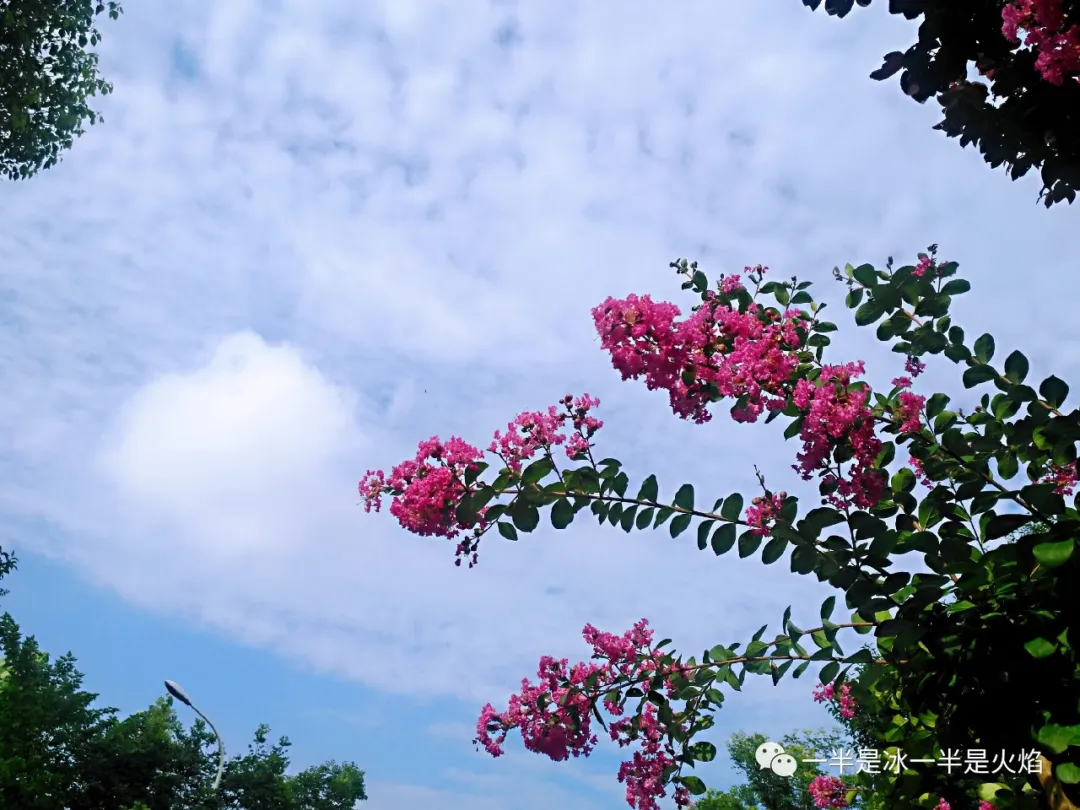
(416,222)
(207,452)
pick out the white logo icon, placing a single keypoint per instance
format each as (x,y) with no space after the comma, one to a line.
(771,756)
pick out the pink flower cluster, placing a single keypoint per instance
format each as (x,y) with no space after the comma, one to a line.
(554,715)
(534,431)
(943,805)
(763,511)
(428,489)
(1064,478)
(828,791)
(1049,33)
(836,412)
(924,264)
(909,414)
(846,703)
(914,366)
(716,352)
(431,485)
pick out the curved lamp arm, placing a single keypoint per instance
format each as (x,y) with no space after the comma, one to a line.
(174,689)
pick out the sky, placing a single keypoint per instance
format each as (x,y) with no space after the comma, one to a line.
(310,234)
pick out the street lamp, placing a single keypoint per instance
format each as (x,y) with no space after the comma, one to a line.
(174,689)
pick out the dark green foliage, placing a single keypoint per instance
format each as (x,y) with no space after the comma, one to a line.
(1016,119)
(60,750)
(47,77)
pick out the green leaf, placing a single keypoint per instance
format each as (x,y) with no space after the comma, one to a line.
(1008,466)
(694,785)
(853,298)
(984,348)
(724,538)
(1056,738)
(732,507)
(684,498)
(866,275)
(1054,391)
(626,521)
(748,543)
(935,405)
(795,427)
(1016,367)
(868,313)
(562,514)
(988,791)
(1003,525)
(680,523)
(1054,554)
(526,517)
(1040,648)
(957,286)
(829,672)
(827,608)
(645,517)
(538,470)
(703,530)
(650,490)
(773,550)
(662,514)
(978,374)
(1068,773)
(507,531)
(803,560)
(958,353)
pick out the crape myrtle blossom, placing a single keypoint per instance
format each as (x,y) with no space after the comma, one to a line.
(1047,31)
(842,696)
(554,715)
(828,791)
(717,351)
(428,489)
(835,411)
(768,361)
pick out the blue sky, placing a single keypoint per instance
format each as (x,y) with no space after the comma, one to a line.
(309,234)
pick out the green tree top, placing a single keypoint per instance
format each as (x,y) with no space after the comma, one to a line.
(47,76)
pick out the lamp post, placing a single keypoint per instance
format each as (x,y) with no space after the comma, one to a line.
(178,693)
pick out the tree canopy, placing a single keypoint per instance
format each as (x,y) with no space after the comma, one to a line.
(59,750)
(47,76)
(1006,77)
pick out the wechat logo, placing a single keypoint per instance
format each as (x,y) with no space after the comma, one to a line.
(771,756)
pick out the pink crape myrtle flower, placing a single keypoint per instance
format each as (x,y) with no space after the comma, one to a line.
(943,805)
(544,712)
(643,773)
(924,264)
(985,805)
(427,489)
(914,366)
(846,703)
(763,512)
(836,412)
(716,352)
(539,431)
(1049,33)
(431,486)
(909,414)
(1064,478)
(828,791)
(730,284)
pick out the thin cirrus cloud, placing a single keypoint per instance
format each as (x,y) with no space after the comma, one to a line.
(309,234)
